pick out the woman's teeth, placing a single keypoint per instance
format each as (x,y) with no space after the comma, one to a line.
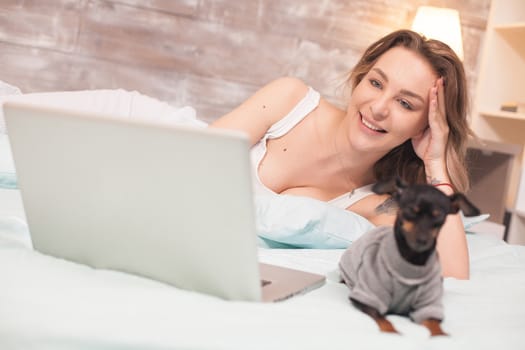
(370,126)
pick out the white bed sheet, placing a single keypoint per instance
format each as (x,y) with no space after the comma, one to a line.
(48,303)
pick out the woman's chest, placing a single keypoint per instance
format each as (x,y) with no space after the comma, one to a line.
(289,161)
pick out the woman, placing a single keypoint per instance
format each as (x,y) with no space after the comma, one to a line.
(406,116)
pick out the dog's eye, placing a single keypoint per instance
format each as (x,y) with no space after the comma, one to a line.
(439,217)
(438,214)
(411,212)
(414,210)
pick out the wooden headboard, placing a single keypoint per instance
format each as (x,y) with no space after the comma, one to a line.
(210,54)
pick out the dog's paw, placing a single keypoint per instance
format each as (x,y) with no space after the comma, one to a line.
(434,326)
(386,326)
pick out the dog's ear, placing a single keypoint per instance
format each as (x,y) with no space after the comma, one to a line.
(393,187)
(458,201)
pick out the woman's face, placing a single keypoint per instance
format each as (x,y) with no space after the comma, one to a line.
(390,104)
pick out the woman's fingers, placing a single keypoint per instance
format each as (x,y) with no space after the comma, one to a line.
(432,107)
(441,96)
(437,110)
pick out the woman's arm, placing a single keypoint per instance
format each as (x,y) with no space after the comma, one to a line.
(452,246)
(430,147)
(267,106)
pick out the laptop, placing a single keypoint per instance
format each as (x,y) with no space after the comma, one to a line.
(170,203)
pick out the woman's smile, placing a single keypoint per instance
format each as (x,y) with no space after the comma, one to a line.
(371,126)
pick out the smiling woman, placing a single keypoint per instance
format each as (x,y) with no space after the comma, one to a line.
(406,116)
(391,100)
(445,64)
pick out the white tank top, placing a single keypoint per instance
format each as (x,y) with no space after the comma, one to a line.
(283,126)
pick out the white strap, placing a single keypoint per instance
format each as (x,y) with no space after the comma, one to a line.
(349,198)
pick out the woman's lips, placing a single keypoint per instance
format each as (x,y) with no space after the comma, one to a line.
(370,125)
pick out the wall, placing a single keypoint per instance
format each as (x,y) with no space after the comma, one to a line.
(210,54)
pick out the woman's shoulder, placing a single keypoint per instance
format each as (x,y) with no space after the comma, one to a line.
(280,96)
(289,84)
(265,107)
(287,89)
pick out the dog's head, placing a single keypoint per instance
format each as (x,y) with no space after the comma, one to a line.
(422,210)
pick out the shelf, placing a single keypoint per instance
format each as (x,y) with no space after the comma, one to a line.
(518,212)
(501,79)
(511,28)
(489,147)
(503,114)
(513,33)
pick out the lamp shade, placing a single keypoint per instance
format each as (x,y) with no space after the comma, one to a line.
(442,24)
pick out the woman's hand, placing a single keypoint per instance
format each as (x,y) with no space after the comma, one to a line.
(430,145)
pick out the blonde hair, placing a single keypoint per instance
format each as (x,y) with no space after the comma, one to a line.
(402,161)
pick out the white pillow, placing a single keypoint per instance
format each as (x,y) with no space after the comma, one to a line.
(7,167)
(469,221)
(116,103)
(285,221)
(6,90)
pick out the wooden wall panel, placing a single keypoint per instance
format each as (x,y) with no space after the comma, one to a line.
(43,24)
(156,39)
(174,7)
(211,54)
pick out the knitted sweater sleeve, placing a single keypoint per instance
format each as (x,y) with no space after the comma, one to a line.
(428,302)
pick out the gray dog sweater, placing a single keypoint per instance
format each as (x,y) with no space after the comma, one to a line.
(378,276)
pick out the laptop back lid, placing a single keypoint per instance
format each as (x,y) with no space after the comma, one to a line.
(171,203)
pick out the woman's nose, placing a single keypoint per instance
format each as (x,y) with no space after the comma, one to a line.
(379,108)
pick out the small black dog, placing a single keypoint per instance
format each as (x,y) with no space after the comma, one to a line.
(400,273)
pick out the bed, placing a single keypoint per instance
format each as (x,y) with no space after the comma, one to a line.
(49,303)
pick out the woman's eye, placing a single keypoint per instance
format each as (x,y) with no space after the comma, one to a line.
(405,104)
(375,83)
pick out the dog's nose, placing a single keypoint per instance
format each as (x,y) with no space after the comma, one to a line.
(421,245)
(421,242)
